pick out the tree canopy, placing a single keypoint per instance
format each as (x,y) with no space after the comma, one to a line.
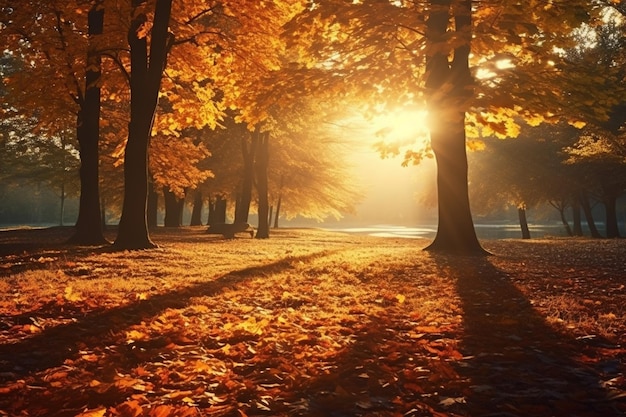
(478,68)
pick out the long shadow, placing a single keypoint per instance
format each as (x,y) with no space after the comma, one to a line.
(515,363)
(53,346)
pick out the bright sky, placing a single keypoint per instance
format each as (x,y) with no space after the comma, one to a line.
(391,191)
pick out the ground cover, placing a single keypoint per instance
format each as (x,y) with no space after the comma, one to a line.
(310,323)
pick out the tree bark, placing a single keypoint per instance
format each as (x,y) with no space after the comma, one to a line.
(584,203)
(262,162)
(523,222)
(196,212)
(449,87)
(88,229)
(242,209)
(145,82)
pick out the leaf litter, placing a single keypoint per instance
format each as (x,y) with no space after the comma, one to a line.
(311,323)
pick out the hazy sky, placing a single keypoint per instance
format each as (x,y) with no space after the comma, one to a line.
(391,191)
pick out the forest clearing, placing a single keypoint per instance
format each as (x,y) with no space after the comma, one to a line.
(310,323)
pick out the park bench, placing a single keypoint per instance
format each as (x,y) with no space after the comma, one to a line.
(228,230)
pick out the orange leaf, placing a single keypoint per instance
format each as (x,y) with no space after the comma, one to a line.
(162,411)
(97,412)
(129,409)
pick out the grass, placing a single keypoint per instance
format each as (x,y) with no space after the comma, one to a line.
(310,323)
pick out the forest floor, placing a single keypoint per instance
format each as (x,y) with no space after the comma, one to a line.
(310,323)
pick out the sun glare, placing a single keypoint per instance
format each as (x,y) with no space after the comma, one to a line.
(403,127)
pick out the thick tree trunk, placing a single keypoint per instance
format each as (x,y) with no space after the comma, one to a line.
(145,82)
(262,162)
(242,209)
(523,222)
(449,87)
(196,212)
(88,228)
(584,203)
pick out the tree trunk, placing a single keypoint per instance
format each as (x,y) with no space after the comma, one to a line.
(523,222)
(153,206)
(568,229)
(218,212)
(88,228)
(242,209)
(577,228)
(610,207)
(145,82)
(262,162)
(449,86)
(173,209)
(269,217)
(278,204)
(62,203)
(584,203)
(196,212)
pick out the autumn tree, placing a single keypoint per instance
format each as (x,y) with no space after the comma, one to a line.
(64,43)
(525,172)
(475,66)
(147,62)
(174,168)
(309,173)
(38,160)
(89,225)
(602,156)
(310,178)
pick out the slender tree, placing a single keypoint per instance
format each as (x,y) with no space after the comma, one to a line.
(88,228)
(261,168)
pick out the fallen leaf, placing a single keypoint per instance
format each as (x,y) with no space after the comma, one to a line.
(96,412)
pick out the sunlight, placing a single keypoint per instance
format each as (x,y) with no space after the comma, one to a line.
(383,177)
(491,69)
(403,128)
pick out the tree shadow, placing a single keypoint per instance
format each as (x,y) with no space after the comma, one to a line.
(52,346)
(516,364)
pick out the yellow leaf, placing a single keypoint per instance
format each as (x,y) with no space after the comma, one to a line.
(578,124)
(70,295)
(400,298)
(135,335)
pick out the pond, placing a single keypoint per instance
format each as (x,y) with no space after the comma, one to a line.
(483,231)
